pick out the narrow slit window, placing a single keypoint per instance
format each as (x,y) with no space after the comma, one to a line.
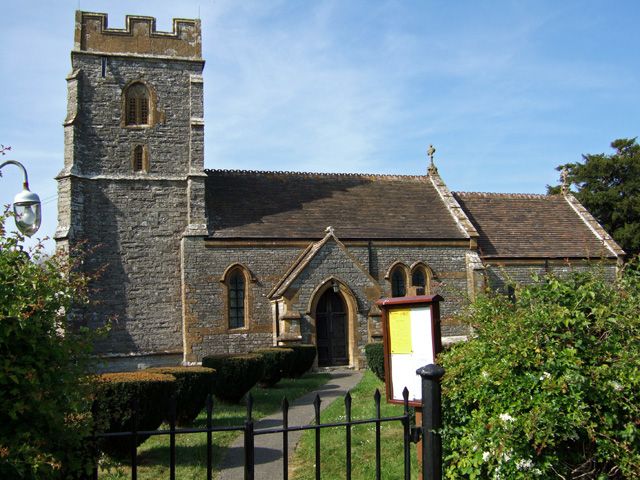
(138,158)
(236,299)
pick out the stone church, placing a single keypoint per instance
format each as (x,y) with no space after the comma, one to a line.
(199,261)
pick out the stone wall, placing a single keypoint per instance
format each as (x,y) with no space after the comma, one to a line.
(206,329)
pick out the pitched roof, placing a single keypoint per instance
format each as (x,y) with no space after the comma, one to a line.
(249,204)
(533,226)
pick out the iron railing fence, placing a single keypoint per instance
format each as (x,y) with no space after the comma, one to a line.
(250,432)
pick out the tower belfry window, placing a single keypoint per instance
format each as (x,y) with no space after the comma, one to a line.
(136,106)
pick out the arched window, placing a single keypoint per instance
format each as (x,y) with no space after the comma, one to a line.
(398,282)
(421,277)
(140,160)
(418,278)
(236,295)
(137,103)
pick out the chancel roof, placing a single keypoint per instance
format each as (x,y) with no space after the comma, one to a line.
(249,204)
(535,226)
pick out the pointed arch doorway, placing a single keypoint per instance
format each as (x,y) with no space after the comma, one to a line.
(332,329)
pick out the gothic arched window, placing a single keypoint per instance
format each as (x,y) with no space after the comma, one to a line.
(236,296)
(421,277)
(140,160)
(137,105)
(398,282)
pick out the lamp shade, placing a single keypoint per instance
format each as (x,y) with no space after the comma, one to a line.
(28,211)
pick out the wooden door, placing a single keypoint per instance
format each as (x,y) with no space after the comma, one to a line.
(331,330)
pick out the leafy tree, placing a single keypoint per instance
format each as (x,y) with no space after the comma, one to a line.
(609,187)
(44,406)
(549,387)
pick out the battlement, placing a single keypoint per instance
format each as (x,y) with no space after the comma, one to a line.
(139,37)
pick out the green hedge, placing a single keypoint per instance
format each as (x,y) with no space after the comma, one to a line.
(114,403)
(235,374)
(193,384)
(375,358)
(276,362)
(303,358)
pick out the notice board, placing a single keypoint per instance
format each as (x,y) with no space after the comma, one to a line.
(411,336)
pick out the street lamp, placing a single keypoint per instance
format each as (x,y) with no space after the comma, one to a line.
(26,205)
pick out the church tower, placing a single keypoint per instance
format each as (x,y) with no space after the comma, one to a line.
(132,188)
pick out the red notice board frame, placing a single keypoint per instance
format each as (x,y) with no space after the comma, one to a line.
(387,305)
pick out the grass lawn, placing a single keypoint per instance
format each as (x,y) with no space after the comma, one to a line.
(191,452)
(363,455)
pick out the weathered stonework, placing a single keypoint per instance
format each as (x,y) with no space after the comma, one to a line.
(133,222)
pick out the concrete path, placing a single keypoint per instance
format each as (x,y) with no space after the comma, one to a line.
(268,448)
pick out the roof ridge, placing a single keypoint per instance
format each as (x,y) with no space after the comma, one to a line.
(314,174)
(505,195)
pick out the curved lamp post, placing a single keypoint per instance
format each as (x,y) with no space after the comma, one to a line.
(26,205)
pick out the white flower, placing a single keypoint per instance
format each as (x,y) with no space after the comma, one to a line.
(505,417)
(524,464)
(616,386)
(545,375)
(485,456)
(485,374)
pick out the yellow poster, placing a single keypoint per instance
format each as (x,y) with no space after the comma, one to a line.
(400,330)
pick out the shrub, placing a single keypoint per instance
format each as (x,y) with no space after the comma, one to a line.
(304,355)
(275,363)
(43,364)
(375,358)
(549,387)
(114,405)
(235,374)
(193,384)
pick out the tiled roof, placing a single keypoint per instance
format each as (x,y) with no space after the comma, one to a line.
(530,226)
(249,204)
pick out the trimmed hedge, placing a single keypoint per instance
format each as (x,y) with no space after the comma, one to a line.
(304,355)
(235,374)
(193,384)
(375,358)
(276,362)
(114,402)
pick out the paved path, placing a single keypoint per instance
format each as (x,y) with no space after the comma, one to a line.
(268,448)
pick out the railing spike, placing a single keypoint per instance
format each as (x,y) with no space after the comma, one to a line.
(249,406)
(377,396)
(347,400)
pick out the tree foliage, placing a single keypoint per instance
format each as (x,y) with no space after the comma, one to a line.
(549,387)
(609,187)
(43,399)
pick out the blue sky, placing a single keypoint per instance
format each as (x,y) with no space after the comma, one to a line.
(505,90)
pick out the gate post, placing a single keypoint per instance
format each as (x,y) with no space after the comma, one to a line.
(431,421)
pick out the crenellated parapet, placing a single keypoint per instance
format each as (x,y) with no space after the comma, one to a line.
(139,37)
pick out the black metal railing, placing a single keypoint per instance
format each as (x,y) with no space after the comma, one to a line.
(250,432)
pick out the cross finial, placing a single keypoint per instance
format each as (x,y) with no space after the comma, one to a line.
(432,166)
(564,178)
(329,230)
